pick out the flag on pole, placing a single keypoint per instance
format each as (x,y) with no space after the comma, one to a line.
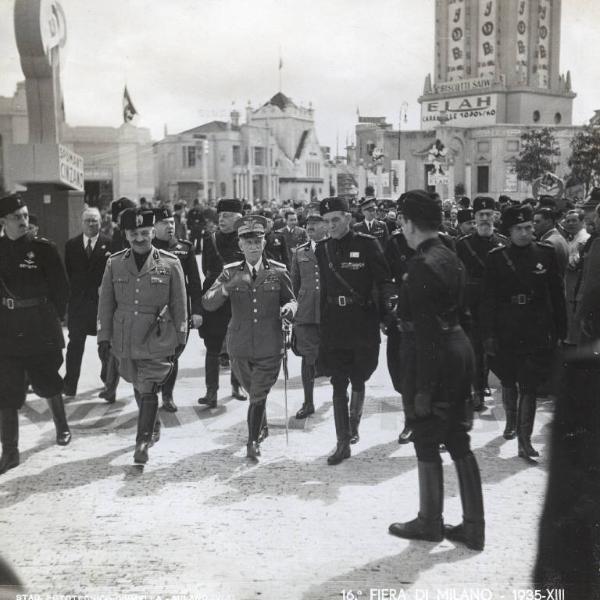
(128,109)
(280,63)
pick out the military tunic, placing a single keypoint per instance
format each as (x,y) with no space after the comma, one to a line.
(379,231)
(130,303)
(33,292)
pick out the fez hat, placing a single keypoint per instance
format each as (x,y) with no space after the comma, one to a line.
(161,213)
(464,215)
(333,204)
(230,205)
(132,218)
(11,203)
(118,206)
(515,215)
(483,203)
(251,225)
(419,205)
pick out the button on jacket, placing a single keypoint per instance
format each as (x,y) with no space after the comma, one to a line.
(130,301)
(306,283)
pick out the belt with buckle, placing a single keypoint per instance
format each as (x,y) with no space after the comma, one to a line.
(13,303)
(341,300)
(521,299)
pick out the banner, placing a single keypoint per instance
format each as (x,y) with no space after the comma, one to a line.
(486,59)
(129,111)
(398,177)
(522,60)
(456,40)
(466,111)
(543,49)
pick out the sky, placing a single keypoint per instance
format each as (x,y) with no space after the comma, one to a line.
(186,62)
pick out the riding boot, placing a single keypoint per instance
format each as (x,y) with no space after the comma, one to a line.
(357,400)
(146,423)
(9,436)
(429,524)
(255,420)
(406,435)
(211,370)
(57,408)
(471,531)
(264,426)
(509,401)
(155,431)
(342,430)
(168,403)
(236,389)
(527,406)
(308,384)
(478,401)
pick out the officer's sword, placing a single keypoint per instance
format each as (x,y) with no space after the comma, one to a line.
(286,328)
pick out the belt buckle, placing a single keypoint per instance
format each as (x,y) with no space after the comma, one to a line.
(341,300)
(10,303)
(522,299)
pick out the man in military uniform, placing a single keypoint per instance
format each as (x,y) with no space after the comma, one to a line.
(351,265)
(196,223)
(33,300)
(431,304)
(306,282)
(260,292)
(142,318)
(275,244)
(165,239)
(523,317)
(220,248)
(472,250)
(544,225)
(294,235)
(371,225)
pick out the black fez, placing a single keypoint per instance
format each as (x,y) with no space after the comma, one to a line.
(333,204)
(118,206)
(11,203)
(161,213)
(230,205)
(464,215)
(515,215)
(418,205)
(483,203)
(132,218)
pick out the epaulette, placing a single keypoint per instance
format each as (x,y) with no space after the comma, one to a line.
(303,245)
(115,254)
(365,235)
(497,249)
(544,244)
(396,232)
(43,240)
(464,236)
(237,263)
(185,242)
(166,253)
(276,263)
(501,237)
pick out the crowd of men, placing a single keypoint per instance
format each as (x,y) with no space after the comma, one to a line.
(459,289)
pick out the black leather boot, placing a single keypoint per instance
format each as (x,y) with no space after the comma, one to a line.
(509,401)
(342,430)
(9,436)
(57,408)
(478,401)
(210,400)
(167,389)
(428,525)
(357,401)
(308,384)
(146,423)
(211,374)
(255,421)
(527,406)
(406,434)
(155,431)
(236,389)
(471,531)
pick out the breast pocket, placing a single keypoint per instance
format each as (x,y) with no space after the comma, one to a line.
(159,288)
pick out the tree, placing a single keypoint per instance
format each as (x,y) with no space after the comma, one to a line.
(585,157)
(539,150)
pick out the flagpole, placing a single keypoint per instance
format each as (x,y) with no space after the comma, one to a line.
(280,69)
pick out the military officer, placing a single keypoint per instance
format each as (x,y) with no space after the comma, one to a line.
(184,250)
(351,265)
(306,282)
(523,317)
(260,292)
(431,303)
(33,300)
(371,225)
(293,235)
(219,248)
(275,246)
(473,249)
(142,318)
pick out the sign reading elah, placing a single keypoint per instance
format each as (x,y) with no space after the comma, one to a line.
(466,111)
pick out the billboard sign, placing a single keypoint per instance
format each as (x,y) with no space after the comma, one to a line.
(466,111)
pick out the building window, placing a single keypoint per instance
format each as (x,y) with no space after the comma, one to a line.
(189,156)
(483,146)
(483,179)
(259,156)
(512,145)
(536,116)
(557,118)
(237,156)
(313,169)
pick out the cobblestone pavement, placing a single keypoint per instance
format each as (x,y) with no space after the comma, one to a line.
(199,520)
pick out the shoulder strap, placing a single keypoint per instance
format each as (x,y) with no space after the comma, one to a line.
(473,253)
(359,300)
(213,237)
(513,268)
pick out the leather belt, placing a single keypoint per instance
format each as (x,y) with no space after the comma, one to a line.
(341,300)
(14,303)
(140,308)
(521,299)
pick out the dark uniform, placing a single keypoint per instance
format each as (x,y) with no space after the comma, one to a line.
(33,300)
(523,315)
(276,248)
(351,269)
(196,223)
(293,239)
(219,249)
(438,383)
(473,249)
(378,229)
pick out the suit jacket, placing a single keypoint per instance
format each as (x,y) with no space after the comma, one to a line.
(255,327)
(85,277)
(130,301)
(306,283)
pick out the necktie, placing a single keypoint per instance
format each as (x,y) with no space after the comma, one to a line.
(369,226)
(88,248)
(253,274)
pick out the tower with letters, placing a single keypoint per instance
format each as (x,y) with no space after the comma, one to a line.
(497,61)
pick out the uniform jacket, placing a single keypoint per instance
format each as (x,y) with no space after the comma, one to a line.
(473,249)
(560,247)
(184,251)
(523,304)
(276,248)
(255,327)
(130,301)
(348,322)
(379,231)
(85,277)
(306,283)
(31,268)
(587,315)
(195,219)
(293,239)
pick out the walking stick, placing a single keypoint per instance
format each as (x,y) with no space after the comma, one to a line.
(286,329)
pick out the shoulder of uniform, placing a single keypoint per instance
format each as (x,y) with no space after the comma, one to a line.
(115,254)
(303,245)
(367,236)
(396,233)
(43,241)
(496,250)
(462,238)
(276,263)
(545,244)
(166,254)
(230,265)
(501,238)
(186,243)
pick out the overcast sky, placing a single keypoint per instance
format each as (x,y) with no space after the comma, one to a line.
(186,61)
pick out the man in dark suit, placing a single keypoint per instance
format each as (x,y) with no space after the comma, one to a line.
(85,259)
(294,235)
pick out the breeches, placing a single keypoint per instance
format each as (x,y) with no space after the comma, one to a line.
(257,375)
(146,374)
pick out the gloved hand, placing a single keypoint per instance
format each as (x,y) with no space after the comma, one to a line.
(197,321)
(490,347)
(104,350)
(423,404)
(178,351)
(287,314)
